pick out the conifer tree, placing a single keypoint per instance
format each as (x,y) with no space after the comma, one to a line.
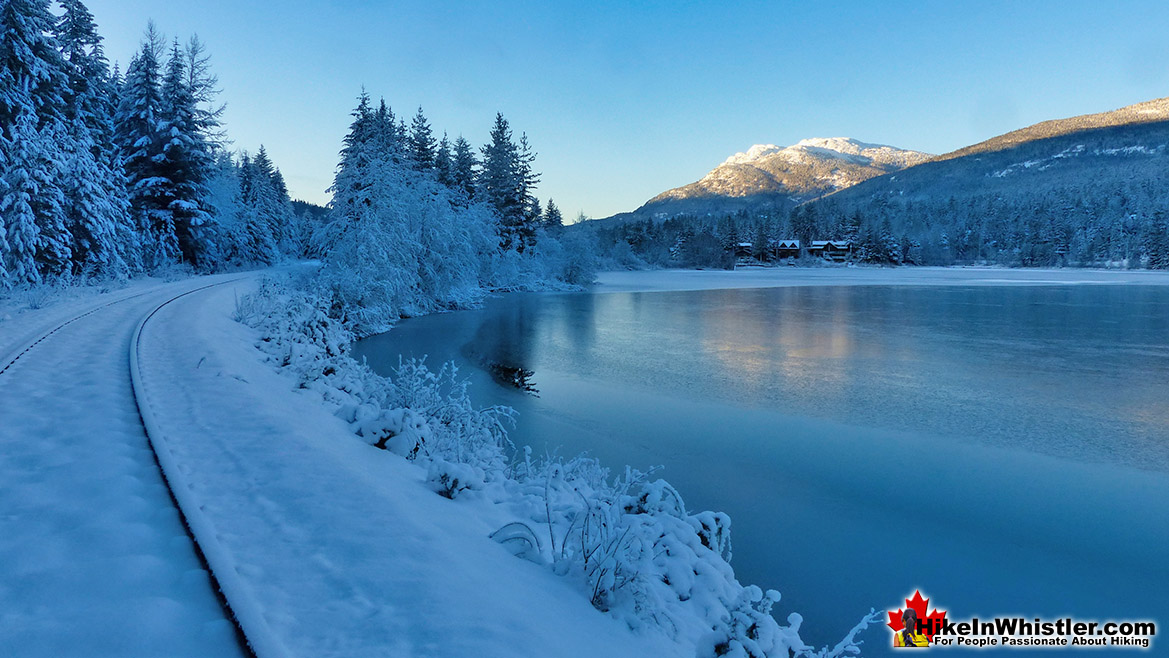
(203,86)
(463,164)
(33,90)
(552,217)
(185,161)
(526,180)
(501,182)
(421,143)
(443,164)
(32,74)
(137,125)
(96,207)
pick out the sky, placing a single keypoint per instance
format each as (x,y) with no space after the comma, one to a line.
(623,100)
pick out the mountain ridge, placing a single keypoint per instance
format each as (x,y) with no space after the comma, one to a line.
(770,176)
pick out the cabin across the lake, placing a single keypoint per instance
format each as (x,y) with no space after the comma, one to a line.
(837,251)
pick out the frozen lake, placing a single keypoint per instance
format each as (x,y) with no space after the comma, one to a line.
(998,439)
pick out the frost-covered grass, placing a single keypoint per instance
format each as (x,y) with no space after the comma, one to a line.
(626,541)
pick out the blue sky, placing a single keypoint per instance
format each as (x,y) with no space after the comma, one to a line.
(623,100)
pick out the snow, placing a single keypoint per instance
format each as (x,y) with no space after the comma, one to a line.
(346,549)
(829,147)
(94,560)
(754,153)
(326,545)
(28,312)
(665,280)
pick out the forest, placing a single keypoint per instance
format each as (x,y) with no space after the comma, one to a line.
(107,175)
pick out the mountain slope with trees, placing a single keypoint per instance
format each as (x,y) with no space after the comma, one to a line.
(773,178)
(1093,197)
(1090,191)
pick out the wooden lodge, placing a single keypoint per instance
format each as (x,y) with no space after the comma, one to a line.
(837,251)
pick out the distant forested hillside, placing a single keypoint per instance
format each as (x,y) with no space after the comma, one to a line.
(1096,197)
(1085,197)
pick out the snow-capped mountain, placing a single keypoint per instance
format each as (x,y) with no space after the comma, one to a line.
(770,175)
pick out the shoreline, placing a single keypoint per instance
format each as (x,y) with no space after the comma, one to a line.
(677,280)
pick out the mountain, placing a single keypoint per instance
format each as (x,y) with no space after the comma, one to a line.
(1088,190)
(776,177)
(1146,112)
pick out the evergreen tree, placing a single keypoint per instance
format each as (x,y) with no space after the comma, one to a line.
(258,209)
(33,136)
(33,76)
(354,171)
(185,161)
(269,197)
(463,165)
(443,164)
(527,179)
(552,217)
(96,208)
(203,87)
(138,134)
(385,138)
(31,208)
(87,72)
(507,183)
(421,143)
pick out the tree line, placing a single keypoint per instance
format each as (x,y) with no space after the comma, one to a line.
(418,223)
(108,175)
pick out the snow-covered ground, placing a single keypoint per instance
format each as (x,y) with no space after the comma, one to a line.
(332,548)
(94,559)
(660,280)
(324,545)
(344,549)
(28,313)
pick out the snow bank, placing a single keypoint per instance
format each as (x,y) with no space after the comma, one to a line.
(627,545)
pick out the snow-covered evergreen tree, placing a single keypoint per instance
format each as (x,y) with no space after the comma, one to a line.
(268,197)
(443,165)
(552,217)
(31,209)
(503,183)
(184,162)
(420,143)
(463,166)
(96,207)
(33,136)
(203,86)
(138,124)
(32,74)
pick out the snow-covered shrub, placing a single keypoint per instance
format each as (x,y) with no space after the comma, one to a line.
(520,540)
(38,295)
(450,479)
(628,542)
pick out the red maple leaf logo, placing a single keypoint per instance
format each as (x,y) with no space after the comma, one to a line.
(930,623)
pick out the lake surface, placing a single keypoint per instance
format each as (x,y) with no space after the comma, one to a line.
(1004,449)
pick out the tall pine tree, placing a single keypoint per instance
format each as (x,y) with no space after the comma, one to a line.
(421,143)
(138,124)
(185,161)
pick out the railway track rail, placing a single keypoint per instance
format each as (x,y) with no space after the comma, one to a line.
(251,631)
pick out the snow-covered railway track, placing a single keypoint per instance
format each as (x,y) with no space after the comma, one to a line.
(251,629)
(99,552)
(14,355)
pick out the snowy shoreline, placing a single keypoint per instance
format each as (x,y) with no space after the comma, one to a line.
(677,280)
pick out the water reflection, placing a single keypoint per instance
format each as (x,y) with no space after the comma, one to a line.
(1028,425)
